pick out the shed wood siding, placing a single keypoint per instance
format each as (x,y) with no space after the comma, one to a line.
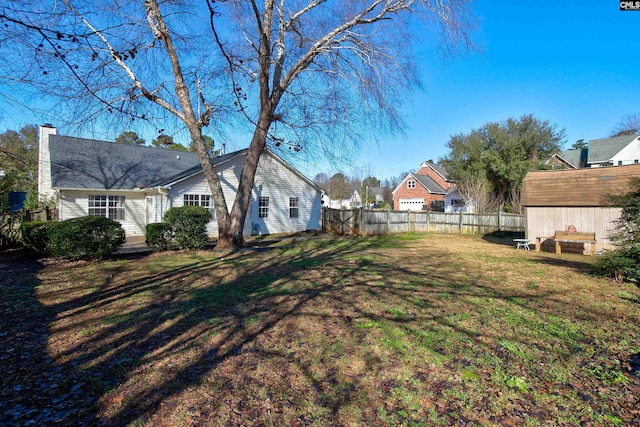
(279,183)
(553,200)
(545,221)
(74,204)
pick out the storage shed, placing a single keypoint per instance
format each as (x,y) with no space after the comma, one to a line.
(555,200)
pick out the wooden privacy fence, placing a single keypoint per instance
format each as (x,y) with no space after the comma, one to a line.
(11,221)
(369,222)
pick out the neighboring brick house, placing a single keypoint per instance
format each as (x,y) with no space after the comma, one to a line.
(575,158)
(425,189)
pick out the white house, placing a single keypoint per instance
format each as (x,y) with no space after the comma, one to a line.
(135,185)
(355,201)
(454,201)
(614,151)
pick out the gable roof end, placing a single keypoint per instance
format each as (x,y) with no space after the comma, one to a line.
(603,150)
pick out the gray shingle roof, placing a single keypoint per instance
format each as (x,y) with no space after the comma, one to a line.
(576,157)
(428,183)
(87,163)
(602,150)
(440,169)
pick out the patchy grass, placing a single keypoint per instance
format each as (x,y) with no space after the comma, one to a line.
(402,330)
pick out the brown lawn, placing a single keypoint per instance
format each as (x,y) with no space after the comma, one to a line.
(323,331)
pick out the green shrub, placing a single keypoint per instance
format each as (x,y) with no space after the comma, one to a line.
(620,264)
(35,235)
(158,235)
(86,237)
(189,225)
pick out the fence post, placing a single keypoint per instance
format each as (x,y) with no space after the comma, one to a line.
(388,222)
(460,223)
(408,221)
(499,221)
(428,222)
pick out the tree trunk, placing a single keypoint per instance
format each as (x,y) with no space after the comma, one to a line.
(217,195)
(234,237)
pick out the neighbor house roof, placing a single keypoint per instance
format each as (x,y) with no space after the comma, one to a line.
(427,182)
(576,157)
(603,150)
(440,170)
(575,187)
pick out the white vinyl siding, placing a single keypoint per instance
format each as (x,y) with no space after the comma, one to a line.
(74,204)
(280,184)
(197,184)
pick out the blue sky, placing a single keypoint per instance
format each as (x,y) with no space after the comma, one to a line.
(573,63)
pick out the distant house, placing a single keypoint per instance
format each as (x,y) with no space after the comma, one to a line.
(564,199)
(136,185)
(454,201)
(377,193)
(614,151)
(569,159)
(424,189)
(355,201)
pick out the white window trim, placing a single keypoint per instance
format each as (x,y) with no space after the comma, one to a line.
(110,206)
(411,184)
(263,207)
(204,200)
(294,207)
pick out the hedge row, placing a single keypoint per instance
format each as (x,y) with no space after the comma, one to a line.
(85,237)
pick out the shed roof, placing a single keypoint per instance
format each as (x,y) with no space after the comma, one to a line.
(603,150)
(575,187)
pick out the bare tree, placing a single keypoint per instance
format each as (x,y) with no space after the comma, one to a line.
(477,190)
(308,73)
(628,125)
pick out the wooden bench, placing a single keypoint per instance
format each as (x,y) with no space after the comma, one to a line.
(571,237)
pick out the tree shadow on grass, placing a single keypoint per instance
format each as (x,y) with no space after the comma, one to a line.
(245,337)
(32,388)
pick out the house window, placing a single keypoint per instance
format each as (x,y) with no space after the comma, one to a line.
(263,207)
(619,162)
(293,207)
(411,184)
(635,161)
(107,206)
(203,200)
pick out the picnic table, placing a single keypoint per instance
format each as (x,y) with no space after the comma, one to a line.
(522,244)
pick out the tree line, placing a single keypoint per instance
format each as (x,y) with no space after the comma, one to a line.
(488,164)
